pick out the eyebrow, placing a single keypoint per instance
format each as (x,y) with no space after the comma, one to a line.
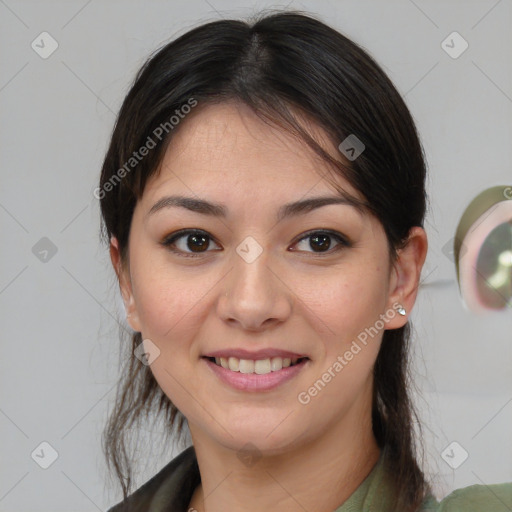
(288,210)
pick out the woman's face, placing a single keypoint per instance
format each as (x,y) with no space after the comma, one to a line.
(254,280)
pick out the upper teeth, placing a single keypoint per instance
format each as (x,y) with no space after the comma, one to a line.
(260,366)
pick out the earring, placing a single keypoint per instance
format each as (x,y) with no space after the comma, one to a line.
(401,311)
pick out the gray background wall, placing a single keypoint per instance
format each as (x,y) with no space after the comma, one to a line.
(59,333)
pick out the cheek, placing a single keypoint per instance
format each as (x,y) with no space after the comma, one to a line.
(166,301)
(347,301)
(169,306)
(350,306)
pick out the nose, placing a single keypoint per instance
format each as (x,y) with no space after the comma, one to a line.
(255,297)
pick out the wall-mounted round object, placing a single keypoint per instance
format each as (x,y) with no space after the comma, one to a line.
(483,251)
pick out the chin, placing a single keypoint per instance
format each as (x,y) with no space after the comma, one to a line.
(267,438)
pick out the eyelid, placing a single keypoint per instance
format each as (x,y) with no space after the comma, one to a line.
(342,240)
(171,239)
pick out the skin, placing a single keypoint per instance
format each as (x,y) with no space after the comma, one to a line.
(293,296)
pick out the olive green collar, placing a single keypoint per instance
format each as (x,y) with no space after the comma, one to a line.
(375,493)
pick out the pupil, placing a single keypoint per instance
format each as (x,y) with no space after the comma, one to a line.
(199,242)
(323,242)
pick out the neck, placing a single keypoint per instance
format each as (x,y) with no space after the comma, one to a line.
(316,476)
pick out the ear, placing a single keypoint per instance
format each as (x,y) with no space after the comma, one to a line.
(125,285)
(405,276)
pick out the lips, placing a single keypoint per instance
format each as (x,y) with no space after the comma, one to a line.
(260,362)
(255,375)
(257,370)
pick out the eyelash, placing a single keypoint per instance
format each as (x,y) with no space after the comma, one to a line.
(171,239)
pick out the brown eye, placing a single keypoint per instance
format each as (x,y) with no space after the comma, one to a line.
(188,242)
(322,241)
(197,243)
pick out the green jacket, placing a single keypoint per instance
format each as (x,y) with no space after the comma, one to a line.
(170,490)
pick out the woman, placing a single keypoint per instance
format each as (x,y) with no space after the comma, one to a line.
(263,196)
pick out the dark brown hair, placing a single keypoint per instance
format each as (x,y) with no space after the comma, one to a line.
(287,66)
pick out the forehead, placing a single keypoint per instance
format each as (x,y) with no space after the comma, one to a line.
(226,147)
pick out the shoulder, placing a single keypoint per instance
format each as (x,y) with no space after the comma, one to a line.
(167,482)
(479,498)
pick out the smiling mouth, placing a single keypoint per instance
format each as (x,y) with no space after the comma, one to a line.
(259,366)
